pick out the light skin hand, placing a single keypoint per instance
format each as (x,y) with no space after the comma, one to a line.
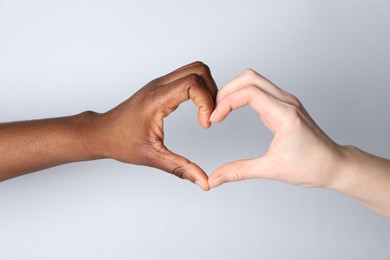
(132,132)
(300,152)
(298,145)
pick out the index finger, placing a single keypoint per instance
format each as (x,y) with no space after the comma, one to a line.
(198,68)
(268,107)
(189,87)
(251,77)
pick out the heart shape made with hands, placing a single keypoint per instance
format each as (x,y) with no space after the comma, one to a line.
(155,102)
(298,144)
(241,135)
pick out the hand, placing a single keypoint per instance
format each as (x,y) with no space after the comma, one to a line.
(300,152)
(133,131)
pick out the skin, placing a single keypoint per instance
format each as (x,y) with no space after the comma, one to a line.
(300,152)
(132,132)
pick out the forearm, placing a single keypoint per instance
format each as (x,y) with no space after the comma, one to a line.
(366,178)
(35,145)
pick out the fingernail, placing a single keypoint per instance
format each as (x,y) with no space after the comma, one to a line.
(212,116)
(216,182)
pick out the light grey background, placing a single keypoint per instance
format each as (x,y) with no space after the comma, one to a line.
(62,57)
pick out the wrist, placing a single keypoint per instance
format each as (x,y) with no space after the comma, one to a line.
(91,138)
(343,168)
(366,178)
(356,172)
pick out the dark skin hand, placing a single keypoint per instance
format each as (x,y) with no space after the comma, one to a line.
(132,132)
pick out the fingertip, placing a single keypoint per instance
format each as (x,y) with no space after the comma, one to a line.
(220,113)
(204,119)
(215,182)
(203,185)
(216,179)
(196,175)
(211,119)
(207,125)
(229,172)
(217,118)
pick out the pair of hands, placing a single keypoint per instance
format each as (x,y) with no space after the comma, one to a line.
(300,152)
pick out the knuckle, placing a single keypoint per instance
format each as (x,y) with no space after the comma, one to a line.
(250,73)
(294,101)
(194,80)
(155,82)
(202,68)
(237,176)
(198,63)
(179,172)
(293,116)
(236,173)
(193,77)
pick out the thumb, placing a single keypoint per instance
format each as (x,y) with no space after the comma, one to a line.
(181,167)
(236,171)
